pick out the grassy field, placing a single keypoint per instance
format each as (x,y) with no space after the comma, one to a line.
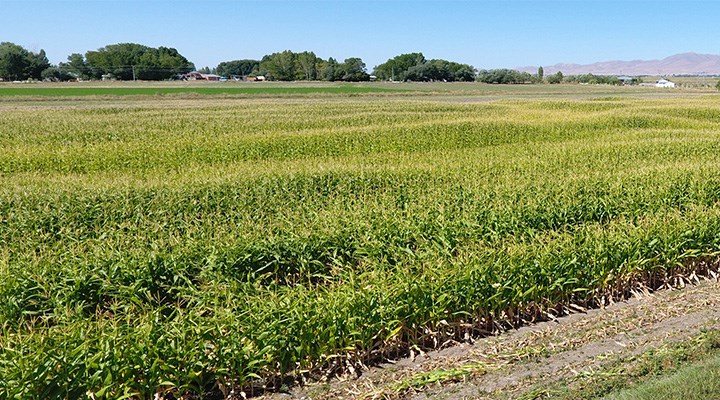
(176,90)
(695,382)
(201,245)
(143,89)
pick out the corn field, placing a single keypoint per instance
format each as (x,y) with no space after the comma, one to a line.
(204,246)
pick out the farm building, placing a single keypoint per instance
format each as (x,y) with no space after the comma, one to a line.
(191,76)
(197,76)
(664,83)
(626,80)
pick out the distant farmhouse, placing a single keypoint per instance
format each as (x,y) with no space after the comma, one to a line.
(197,76)
(627,80)
(664,83)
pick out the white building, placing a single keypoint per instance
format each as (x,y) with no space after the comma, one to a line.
(664,83)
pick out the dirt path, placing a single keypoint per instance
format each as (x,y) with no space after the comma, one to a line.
(525,362)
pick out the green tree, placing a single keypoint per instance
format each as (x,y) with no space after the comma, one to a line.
(16,63)
(13,61)
(331,70)
(504,76)
(126,61)
(353,70)
(76,66)
(462,72)
(57,74)
(397,67)
(593,79)
(239,68)
(414,67)
(118,60)
(37,63)
(280,66)
(425,72)
(307,63)
(555,78)
(540,74)
(449,71)
(168,63)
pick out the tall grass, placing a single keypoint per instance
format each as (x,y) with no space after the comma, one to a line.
(184,248)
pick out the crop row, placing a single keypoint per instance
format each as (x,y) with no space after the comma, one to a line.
(138,266)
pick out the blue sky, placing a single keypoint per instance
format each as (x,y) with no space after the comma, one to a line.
(483,33)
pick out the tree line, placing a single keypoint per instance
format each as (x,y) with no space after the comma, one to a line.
(17,63)
(291,66)
(124,61)
(414,67)
(131,61)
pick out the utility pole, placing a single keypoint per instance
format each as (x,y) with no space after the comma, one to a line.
(133,69)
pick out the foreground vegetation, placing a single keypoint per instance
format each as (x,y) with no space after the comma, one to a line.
(701,381)
(182,246)
(676,370)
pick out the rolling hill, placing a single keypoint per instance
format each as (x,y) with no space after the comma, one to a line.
(679,64)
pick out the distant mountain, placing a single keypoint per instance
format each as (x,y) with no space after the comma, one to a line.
(679,64)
